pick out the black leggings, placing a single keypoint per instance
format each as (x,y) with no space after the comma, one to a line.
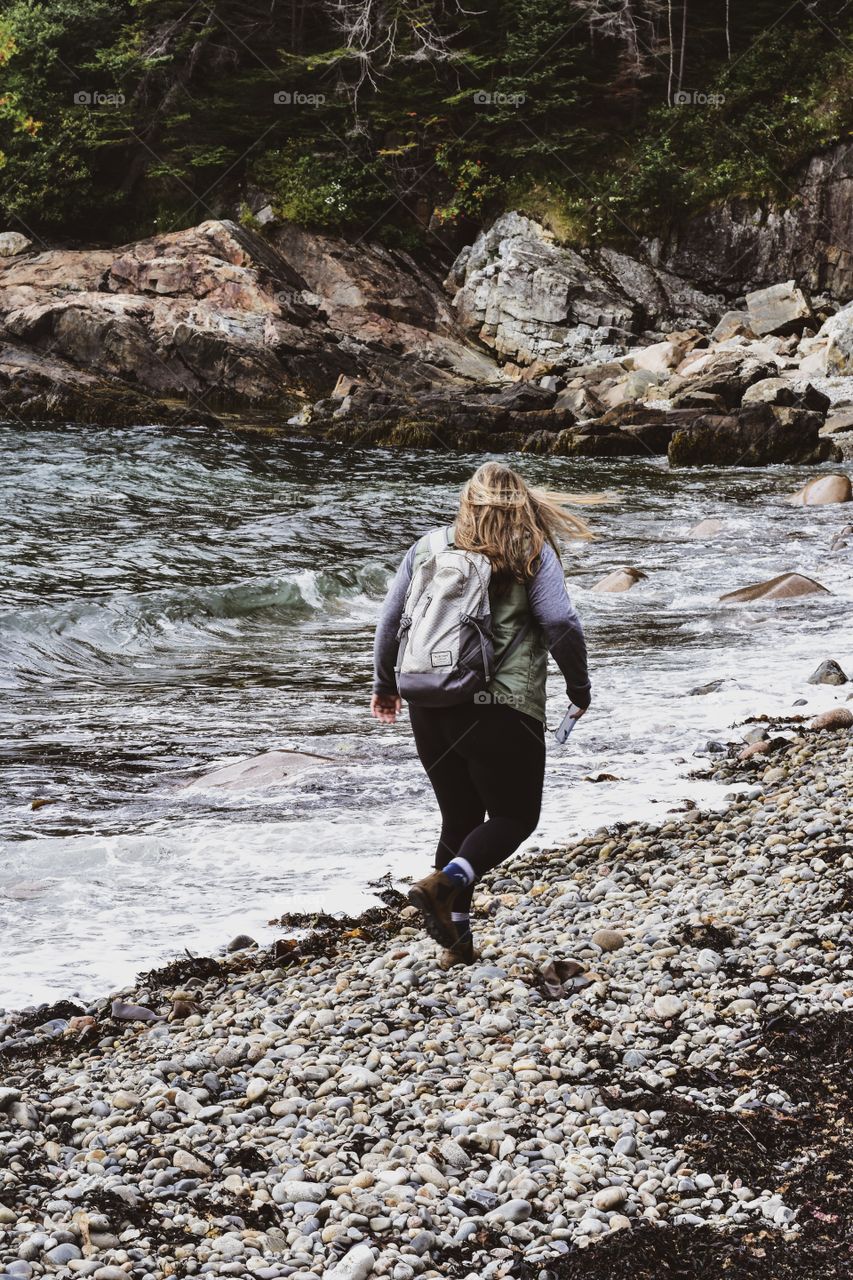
(481,758)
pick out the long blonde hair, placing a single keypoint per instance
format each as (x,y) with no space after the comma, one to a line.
(509,522)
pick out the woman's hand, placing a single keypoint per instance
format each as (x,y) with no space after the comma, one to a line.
(385,707)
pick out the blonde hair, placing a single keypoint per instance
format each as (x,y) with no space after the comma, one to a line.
(509,522)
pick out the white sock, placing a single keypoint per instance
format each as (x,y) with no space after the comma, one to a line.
(460,917)
(460,869)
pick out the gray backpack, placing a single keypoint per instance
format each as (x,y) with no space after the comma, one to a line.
(446,653)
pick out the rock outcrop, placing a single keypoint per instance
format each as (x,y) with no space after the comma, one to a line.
(386,303)
(747,244)
(38,386)
(536,347)
(754,435)
(718,407)
(217,317)
(532,299)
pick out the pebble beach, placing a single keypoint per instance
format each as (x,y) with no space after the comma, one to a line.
(645,1073)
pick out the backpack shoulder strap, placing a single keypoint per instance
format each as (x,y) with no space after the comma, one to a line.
(438,540)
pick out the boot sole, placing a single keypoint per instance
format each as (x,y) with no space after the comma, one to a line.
(451,959)
(436,929)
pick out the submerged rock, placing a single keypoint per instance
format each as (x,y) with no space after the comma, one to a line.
(785,587)
(829,672)
(824,490)
(619,580)
(266,770)
(706,529)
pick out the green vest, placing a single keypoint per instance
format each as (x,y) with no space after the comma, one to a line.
(520,682)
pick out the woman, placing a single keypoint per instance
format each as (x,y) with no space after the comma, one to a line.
(486,756)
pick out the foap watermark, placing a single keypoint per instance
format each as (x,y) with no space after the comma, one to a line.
(286,98)
(496,98)
(696,98)
(96,98)
(484,698)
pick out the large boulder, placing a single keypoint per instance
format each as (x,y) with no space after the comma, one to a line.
(836,334)
(660,357)
(580,399)
(757,435)
(780,309)
(725,374)
(785,392)
(12,243)
(834,718)
(786,586)
(824,490)
(582,443)
(630,388)
(829,672)
(732,324)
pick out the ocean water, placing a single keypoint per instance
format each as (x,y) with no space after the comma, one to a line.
(175,600)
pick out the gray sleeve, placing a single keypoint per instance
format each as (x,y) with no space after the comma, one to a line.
(385,640)
(554,612)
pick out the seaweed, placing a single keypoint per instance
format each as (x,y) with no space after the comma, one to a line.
(178,972)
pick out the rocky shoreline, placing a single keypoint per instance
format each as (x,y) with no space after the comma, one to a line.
(645,1073)
(528,344)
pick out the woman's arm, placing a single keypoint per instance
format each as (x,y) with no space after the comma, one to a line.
(385,640)
(554,612)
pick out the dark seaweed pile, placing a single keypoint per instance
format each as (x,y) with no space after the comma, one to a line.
(806,1157)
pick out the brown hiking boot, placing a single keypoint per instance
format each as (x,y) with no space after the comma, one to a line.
(462,952)
(433,896)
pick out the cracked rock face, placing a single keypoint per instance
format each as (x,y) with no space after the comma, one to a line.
(209,314)
(750,243)
(221,318)
(532,299)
